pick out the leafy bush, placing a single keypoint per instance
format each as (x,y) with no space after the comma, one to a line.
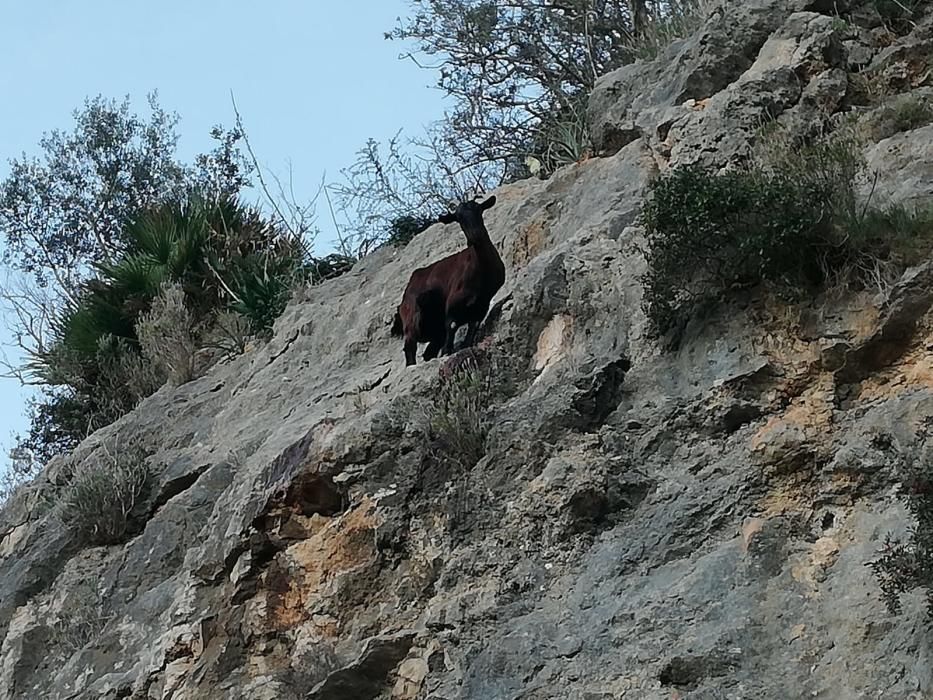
(167,335)
(709,233)
(792,219)
(98,501)
(403,229)
(906,565)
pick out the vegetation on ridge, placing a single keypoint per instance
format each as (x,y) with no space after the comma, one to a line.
(791,219)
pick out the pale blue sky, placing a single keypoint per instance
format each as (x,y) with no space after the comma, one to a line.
(313,80)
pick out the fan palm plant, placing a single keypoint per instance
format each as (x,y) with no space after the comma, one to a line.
(222,253)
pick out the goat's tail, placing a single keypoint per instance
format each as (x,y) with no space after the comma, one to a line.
(397,325)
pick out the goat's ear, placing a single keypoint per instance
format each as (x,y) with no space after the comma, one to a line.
(488,203)
(447,218)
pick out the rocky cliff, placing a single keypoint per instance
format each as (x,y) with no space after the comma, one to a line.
(645,522)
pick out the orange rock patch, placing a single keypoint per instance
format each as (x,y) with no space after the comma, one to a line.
(307,571)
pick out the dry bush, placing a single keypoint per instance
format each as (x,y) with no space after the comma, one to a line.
(167,337)
(98,501)
(229,334)
(457,419)
(79,624)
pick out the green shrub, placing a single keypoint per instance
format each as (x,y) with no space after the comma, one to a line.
(403,229)
(793,219)
(98,501)
(709,233)
(830,166)
(262,286)
(904,565)
(562,140)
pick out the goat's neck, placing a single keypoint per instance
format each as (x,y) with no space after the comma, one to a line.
(482,244)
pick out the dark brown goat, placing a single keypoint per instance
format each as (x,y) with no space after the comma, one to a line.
(453,291)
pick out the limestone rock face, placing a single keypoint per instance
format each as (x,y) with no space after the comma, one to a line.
(644,523)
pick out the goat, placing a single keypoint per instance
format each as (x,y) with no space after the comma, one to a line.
(453,291)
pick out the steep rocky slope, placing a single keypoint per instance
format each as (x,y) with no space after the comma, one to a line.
(646,522)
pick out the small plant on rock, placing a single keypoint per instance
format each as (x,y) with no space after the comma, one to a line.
(457,419)
(403,229)
(228,335)
(98,502)
(679,19)
(904,565)
(79,624)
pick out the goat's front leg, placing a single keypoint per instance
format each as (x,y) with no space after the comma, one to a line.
(434,347)
(451,326)
(470,339)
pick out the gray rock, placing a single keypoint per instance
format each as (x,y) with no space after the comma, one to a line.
(902,169)
(644,522)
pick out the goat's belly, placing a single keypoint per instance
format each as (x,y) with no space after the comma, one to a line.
(473,313)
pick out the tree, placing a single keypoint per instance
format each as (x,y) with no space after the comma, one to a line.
(225,171)
(519,73)
(387,186)
(516,69)
(64,213)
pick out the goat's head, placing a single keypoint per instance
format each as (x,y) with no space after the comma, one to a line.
(470,217)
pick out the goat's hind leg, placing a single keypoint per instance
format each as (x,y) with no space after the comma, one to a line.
(411,349)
